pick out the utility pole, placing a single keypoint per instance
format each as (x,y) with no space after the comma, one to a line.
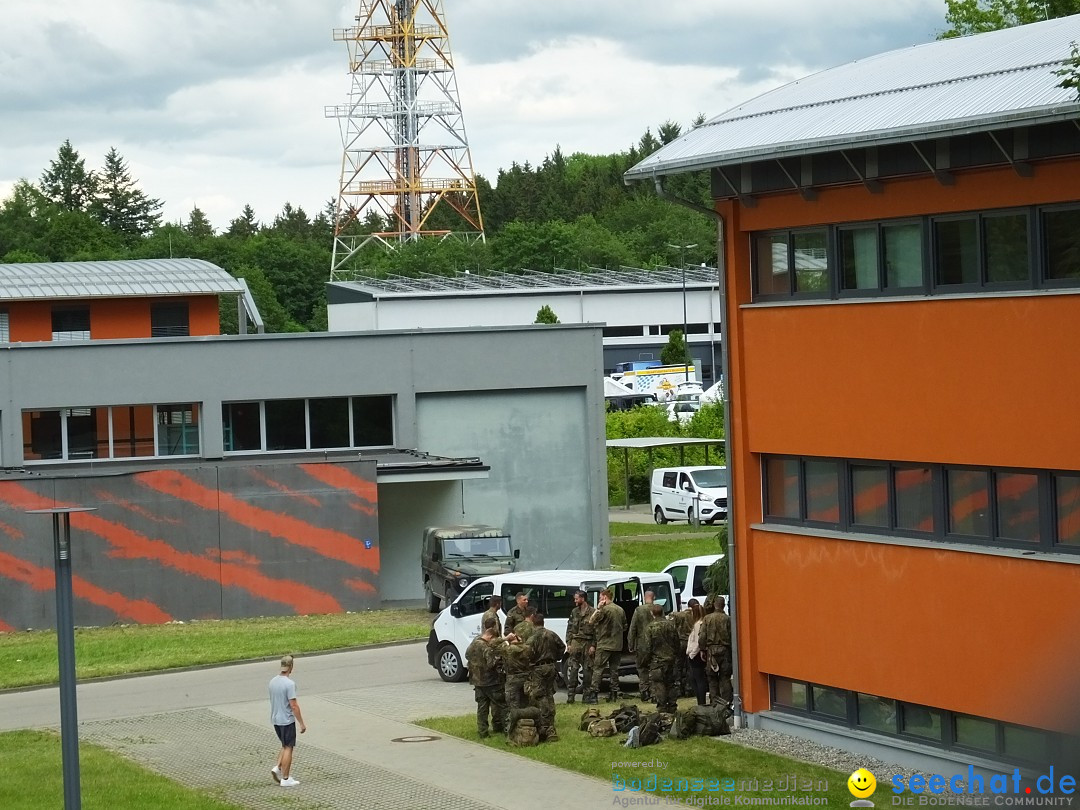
(686,339)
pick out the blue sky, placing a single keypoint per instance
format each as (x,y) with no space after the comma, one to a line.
(218,104)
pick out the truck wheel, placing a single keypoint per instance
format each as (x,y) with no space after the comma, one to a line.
(451,669)
(430,599)
(659,516)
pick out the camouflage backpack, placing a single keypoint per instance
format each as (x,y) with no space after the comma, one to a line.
(706,721)
(685,724)
(625,717)
(588,716)
(524,733)
(602,728)
(653,727)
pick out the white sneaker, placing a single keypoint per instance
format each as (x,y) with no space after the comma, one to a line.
(288,781)
(276,773)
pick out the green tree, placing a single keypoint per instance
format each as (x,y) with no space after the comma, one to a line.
(67,182)
(546,315)
(675,352)
(979,16)
(119,204)
(1070,73)
(198,224)
(244,225)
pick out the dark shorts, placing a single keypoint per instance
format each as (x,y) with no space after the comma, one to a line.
(287,735)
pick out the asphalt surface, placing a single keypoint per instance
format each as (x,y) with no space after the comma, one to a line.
(211,729)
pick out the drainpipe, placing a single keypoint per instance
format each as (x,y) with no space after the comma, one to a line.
(725,369)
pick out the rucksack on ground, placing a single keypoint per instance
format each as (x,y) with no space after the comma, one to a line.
(587,717)
(604,727)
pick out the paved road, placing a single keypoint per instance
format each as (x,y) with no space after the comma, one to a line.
(210,729)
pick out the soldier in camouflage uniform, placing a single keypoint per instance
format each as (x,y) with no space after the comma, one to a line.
(634,638)
(517,663)
(684,622)
(515,614)
(547,650)
(579,637)
(608,621)
(483,664)
(661,646)
(716,641)
(494,606)
(524,628)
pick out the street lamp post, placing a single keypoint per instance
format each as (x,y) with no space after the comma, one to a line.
(685,337)
(65,647)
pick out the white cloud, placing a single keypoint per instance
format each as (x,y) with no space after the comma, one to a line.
(220,103)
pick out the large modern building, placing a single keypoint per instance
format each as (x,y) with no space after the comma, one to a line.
(276,474)
(901,247)
(638,308)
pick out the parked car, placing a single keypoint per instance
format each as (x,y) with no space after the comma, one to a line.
(689,577)
(689,493)
(682,410)
(550,592)
(451,557)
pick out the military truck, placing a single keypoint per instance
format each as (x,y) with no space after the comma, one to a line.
(453,556)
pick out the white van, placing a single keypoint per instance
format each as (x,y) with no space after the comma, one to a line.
(689,577)
(550,592)
(689,493)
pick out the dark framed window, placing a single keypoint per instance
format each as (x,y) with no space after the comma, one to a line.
(242,423)
(1024,509)
(71,323)
(978,251)
(828,701)
(921,721)
(286,424)
(5,328)
(876,713)
(169,319)
(789,693)
(792,263)
(373,421)
(329,422)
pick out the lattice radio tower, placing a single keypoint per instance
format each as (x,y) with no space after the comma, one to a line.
(404,96)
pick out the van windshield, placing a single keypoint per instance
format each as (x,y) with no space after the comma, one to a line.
(477,547)
(710,479)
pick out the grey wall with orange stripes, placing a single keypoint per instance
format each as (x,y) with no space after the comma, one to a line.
(209,541)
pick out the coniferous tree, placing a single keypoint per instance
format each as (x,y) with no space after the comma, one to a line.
(198,225)
(67,182)
(119,204)
(244,225)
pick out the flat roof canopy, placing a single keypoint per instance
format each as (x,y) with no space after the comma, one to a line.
(648,443)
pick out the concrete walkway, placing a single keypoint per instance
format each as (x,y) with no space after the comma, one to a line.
(210,729)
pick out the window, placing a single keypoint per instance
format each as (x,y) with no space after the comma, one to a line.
(169,319)
(828,701)
(782,489)
(920,721)
(789,693)
(956,251)
(110,432)
(286,424)
(329,422)
(242,422)
(71,323)
(308,424)
(792,262)
(476,599)
(1067,508)
(1061,234)
(859,258)
(5,330)
(558,602)
(373,421)
(678,576)
(902,255)
(875,713)
(974,732)
(985,506)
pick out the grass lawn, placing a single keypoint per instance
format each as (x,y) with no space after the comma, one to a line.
(31,659)
(636,529)
(702,758)
(33,778)
(655,555)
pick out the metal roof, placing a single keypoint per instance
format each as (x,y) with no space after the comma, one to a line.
(549,281)
(114,279)
(950,86)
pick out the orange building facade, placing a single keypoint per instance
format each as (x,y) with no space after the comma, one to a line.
(902,337)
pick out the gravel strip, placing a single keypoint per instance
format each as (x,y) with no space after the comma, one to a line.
(786,745)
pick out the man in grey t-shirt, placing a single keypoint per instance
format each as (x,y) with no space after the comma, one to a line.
(284,715)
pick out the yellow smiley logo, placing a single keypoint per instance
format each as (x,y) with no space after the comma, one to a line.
(862,784)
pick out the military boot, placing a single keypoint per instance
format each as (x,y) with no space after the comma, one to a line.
(589,699)
(570,697)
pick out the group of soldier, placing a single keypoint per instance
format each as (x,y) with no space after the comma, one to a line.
(513,666)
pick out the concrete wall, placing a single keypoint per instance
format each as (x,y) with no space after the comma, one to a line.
(528,401)
(207,541)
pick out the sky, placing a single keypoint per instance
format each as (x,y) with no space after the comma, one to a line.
(220,103)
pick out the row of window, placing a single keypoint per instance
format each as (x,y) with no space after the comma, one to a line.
(134,431)
(1000,507)
(1027,248)
(167,319)
(938,727)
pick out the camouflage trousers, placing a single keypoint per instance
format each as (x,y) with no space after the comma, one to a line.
(490,700)
(685,687)
(662,684)
(605,661)
(515,692)
(718,671)
(643,675)
(540,692)
(578,665)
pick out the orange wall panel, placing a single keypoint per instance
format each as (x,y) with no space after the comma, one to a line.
(29,321)
(204,317)
(975,381)
(119,318)
(110,318)
(890,620)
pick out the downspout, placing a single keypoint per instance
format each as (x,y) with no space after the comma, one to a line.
(725,369)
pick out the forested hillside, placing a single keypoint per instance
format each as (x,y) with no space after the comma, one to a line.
(569,212)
